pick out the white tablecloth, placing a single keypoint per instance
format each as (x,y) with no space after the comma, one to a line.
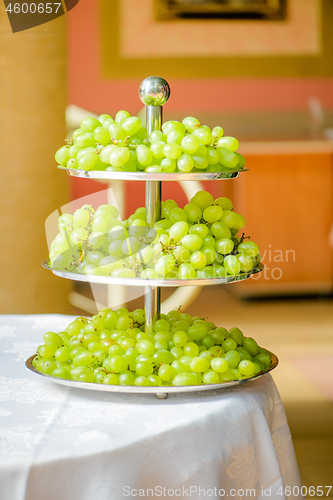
(58,443)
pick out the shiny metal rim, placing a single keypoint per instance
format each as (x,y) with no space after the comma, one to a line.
(108,280)
(148,390)
(146,176)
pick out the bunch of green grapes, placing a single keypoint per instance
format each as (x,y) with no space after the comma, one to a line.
(113,348)
(197,241)
(121,144)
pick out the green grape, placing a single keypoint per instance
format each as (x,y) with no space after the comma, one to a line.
(62,354)
(161,325)
(199,364)
(193,212)
(157,149)
(263,358)
(96,240)
(192,242)
(73,151)
(210,377)
(246,263)
(65,222)
(191,123)
(224,246)
(178,230)
(224,203)
(236,335)
(102,136)
(85,140)
(184,378)
(157,136)
(103,117)
(119,156)
(228,142)
(200,230)
(200,162)
(219,365)
(167,207)
(230,375)
(227,157)
(233,358)
(172,125)
(142,382)
(208,272)
(177,352)
(149,274)
(213,213)
(72,163)
(217,132)
(244,354)
(83,359)
(81,217)
(131,125)
(198,259)
(161,344)
(144,368)
(77,132)
(218,335)
(213,156)
(246,368)
(186,271)
(175,137)
(126,378)
(177,215)
(190,348)
(62,155)
(53,338)
(202,199)
(251,346)
(179,366)
(232,265)
(180,326)
(204,135)
(168,165)
(154,380)
(220,230)
(229,345)
(210,254)
(166,373)
(104,155)
(99,224)
(116,132)
(107,122)
(248,248)
(185,163)
(111,379)
(144,155)
(145,347)
(165,264)
(130,246)
(190,144)
(181,254)
(180,338)
(88,160)
(89,124)
(172,151)
(47,350)
(121,116)
(61,372)
(241,160)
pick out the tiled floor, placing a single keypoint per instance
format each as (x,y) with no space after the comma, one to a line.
(300,332)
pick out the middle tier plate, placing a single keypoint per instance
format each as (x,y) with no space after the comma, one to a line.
(109,280)
(149,176)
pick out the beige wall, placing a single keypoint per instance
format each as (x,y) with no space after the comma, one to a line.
(32,125)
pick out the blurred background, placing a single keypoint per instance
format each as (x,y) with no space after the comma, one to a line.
(261,69)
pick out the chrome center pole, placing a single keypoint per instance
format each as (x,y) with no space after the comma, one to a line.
(154,92)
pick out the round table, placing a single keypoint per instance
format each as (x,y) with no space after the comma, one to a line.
(63,443)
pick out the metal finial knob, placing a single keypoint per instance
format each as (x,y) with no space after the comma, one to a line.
(154,91)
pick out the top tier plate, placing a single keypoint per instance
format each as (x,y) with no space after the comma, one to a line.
(147,176)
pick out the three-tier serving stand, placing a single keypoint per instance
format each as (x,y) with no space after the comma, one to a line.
(154,92)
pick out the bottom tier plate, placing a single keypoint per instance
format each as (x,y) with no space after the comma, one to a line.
(161,391)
